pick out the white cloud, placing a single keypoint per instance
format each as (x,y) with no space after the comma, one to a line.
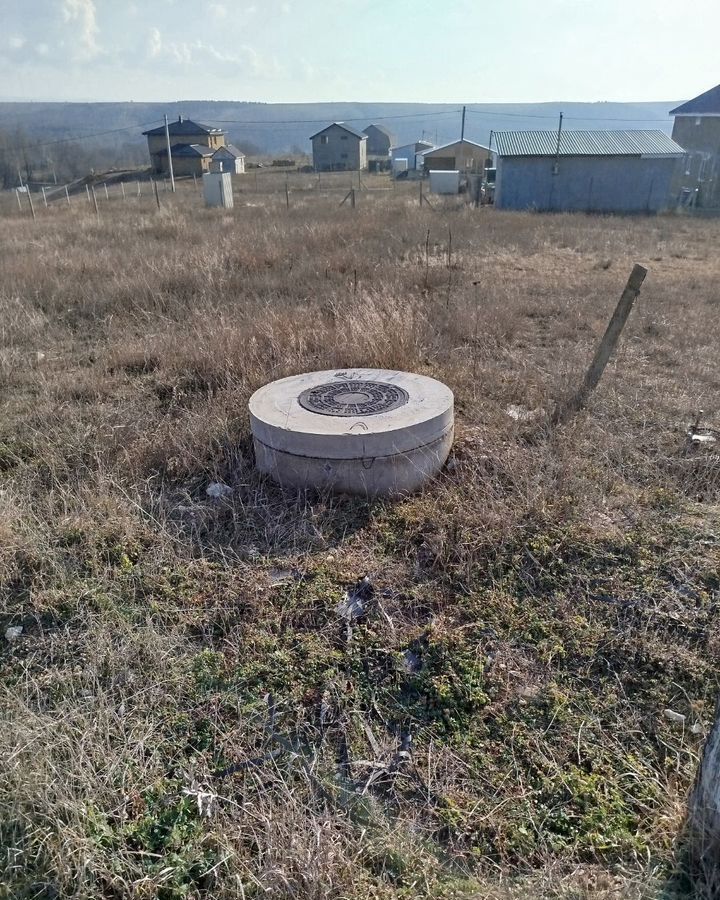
(42,49)
(218,10)
(155,44)
(84,15)
(16,42)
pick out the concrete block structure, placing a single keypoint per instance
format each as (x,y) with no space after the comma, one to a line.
(697,130)
(586,171)
(339,148)
(362,431)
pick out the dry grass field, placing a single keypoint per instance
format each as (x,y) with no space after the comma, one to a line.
(186,714)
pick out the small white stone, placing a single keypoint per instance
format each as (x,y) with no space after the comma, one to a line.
(217,489)
(675,717)
(697,728)
(13,632)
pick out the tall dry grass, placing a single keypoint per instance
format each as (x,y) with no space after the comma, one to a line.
(555,589)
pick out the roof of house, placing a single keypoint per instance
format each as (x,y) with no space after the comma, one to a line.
(184,127)
(385,131)
(193,150)
(357,134)
(707,103)
(231,149)
(586,143)
(418,145)
(455,144)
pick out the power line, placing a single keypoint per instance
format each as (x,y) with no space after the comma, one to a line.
(445,112)
(483,112)
(82,137)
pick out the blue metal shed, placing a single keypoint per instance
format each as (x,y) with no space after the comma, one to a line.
(585,171)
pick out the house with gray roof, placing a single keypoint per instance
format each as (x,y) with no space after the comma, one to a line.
(228,159)
(183,133)
(697,129)
(586,171)
(338,148)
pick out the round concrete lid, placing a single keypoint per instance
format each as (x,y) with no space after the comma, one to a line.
(351,413)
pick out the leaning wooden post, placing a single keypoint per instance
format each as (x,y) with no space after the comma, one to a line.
(421,195)
(107,196)
(606,346)
(287,194)
(352,197)
(17,194)
(122,188)
(94,199)
(157,195)
(67,195)
(29,196)
(703,822)
(44,196)
(87,191)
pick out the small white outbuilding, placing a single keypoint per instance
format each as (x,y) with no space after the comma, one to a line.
(228,159)
(217,189)
(444,181)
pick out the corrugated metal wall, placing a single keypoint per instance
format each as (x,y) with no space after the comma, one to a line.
(609,184)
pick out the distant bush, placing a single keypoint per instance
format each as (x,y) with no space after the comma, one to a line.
(283,162)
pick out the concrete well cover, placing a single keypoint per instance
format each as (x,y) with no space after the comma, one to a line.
(351,413)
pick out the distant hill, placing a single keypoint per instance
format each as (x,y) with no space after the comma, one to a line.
(286,127)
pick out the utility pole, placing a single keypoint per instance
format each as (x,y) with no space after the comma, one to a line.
(462,127)
(170,164)
(556,167)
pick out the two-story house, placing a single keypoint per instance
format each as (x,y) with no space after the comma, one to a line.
(697,130)
(339,148)
(191,143)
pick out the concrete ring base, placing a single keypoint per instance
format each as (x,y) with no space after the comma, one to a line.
(383,476)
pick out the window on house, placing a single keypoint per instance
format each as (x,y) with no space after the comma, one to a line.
(323,139)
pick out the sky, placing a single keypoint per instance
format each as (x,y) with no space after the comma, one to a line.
(364,50)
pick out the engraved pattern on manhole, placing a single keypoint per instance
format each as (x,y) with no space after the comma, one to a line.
(353,398)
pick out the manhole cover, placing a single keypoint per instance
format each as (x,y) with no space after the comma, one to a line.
(353,398)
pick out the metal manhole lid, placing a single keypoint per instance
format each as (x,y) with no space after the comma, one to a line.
(353,398)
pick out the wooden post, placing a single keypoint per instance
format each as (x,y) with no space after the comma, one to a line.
(139,193)
(107,196)
(449,254)
(606,346)
(287,194)
(44,195)
(157,195)
(17,194)
(67,195)
(704,817)
(352,197)
(29,196)
(194,180)
(94,199)
(122,188)
(87,191)
(421,196)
